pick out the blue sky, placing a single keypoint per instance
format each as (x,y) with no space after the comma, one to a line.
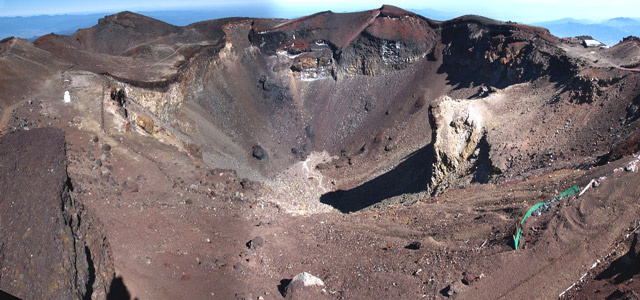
(516,10)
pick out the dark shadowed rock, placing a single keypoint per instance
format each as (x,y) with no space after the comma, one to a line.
(309,132)
(453,289)
(249,185)
(50,246)
(255,243)
(414,246)
(258,152)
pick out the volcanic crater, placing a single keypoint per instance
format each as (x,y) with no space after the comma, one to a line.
(388,154)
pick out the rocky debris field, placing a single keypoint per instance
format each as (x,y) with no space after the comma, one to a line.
(376,154)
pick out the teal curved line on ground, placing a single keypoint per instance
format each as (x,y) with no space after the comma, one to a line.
(570,191)
(516,239)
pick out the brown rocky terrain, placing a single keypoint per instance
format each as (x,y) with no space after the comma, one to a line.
(386,154)
(52,247)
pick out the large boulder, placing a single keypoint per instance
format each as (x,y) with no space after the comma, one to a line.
(305,286)
(50,246)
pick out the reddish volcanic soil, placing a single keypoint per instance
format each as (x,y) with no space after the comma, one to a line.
(389,155)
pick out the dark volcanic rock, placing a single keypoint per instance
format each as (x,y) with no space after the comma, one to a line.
(50,246)
(258,152)
(255,243)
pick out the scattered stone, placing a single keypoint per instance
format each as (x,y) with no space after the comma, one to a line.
(188,202)
(206,263)
(414,246)
(105,171)
(368,106)
(240,268)
(248,184)
(388,246)
(322,166)
(467,278)
(95,139)
(310,134)
(145,123)
(131,187)
(302,284)
(258,152)
(453,289)
(390,147)
(106,148)
(148,260)
(255,243)
(221,263)
(185,277)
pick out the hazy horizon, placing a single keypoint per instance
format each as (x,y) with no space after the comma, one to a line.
(30,27)
(518,10)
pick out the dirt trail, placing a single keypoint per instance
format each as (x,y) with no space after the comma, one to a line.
(578,234)
(45,90)
(592,56)
(6,113)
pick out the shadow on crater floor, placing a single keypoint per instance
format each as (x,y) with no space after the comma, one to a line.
(409,177)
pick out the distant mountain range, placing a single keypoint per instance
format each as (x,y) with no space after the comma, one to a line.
(609,31)
(33,27)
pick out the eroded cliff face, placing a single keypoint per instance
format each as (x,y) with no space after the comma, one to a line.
(386,40)
(461,151)
(500,54)
(51,247)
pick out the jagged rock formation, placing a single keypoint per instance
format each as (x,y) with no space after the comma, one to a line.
(50,246)
(459,132)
